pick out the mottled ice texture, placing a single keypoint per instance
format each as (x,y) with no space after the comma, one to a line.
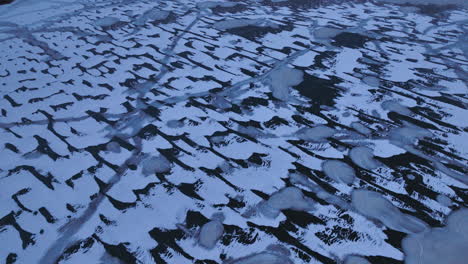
(407,135)
(462,3)
(395,106)
(282,79)
(155,165)
(353,259)
(375,207)
(326,33)
(252,131)
(220,102)
(338,171)
(371,81)
(213,4)
(274,254)
(236,23)
(363,157)
(448,245)
(175,124)
(361,128)
(444,200)
(211,232)
(287,198)
(151,15)
(113,147)
(297,178)
(106,21)
(318,133)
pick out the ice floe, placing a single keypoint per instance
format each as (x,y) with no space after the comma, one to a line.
(374,206)
(282,79)
(273,254)
(212,231)
(338,171)
(286,198)
(448,244)
(363,157)
(155,165)
(318,133)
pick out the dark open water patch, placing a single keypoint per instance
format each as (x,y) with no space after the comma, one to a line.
(5,2)
(229,9)
(319,91)
(306,4)
(253,32)
(350,40)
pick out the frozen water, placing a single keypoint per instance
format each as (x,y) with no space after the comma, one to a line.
(287,198)
(395,106)
(318,133)
(326,33)
(113,147)
(282,79)
(107,21)
(353,259)
(212,4)
(374,206)
(236,23)
(444,200)
(462,3)
(440,245)
(338,171)
(269,256)
(211,232)
(361,128)
(220,103)
(408,135)
(363,157)
(151,15)
(371,81)
(297,178)
(157,164)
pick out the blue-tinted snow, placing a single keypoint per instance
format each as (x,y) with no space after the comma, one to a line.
(333,131)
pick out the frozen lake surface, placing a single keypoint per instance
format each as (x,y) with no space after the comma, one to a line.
(254,131)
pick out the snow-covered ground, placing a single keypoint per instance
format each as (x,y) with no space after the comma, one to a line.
(255,131)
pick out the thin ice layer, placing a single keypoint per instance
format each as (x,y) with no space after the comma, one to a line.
(211,232)
(361,128)
(282,79)
(462,3)
(407,135)
(440,245)
(286,198)
(106,21)
(151,15)
(395,106)
(213,4)
(363,157)
(273,254)
(155,165)
(236,23)
(297,178)
(353,259)
(338,171)
(316,134)
(374,206)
